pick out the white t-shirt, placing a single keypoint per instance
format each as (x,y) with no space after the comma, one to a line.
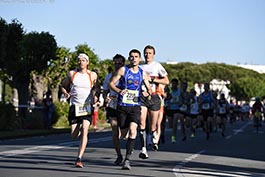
(154,69)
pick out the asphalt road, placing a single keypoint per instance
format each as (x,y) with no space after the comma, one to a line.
(240,153)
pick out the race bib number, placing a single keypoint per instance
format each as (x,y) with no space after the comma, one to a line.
(113,103)
(206,106)
(183,108)
(193,107)
(131,97)
(174,99)
(82,109)
(222,110)
(257,114)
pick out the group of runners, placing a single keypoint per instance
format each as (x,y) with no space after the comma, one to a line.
(139,100)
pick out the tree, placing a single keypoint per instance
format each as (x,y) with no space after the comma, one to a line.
(25,53)
(245,83)
(57,70)
(11,36)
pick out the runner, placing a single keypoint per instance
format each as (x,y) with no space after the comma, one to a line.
(80,82)
(232,115)
(158,76)
(257,110)
(223,110)
(184,109)
(110,98)
(245,111)
(130,80)
(173,107)
(206,106)
(194,112)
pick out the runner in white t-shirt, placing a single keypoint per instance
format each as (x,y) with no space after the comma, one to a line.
(152,106)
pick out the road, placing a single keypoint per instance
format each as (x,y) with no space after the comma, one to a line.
(240,153)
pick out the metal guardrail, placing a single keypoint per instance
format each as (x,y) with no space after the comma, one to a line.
(29,107)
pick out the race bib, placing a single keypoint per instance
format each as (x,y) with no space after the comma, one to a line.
(113,103)
(131,97)
(174,99)
(82,109)
(257,114)
(206,106)
(222,110)
(193,107)
(183,108)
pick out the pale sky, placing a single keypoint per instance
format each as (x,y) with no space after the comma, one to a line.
(199,31)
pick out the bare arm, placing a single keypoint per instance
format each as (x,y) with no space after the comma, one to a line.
(115,78)
(163,80)
(146,79)
(94,79)
(65,84)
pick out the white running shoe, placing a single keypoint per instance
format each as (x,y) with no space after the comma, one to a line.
(143,154)
(155,138)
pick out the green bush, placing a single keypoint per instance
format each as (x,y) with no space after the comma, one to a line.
(101,114)
(60,119)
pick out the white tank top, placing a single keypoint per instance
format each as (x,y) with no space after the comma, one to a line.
(194,107)
(81,89)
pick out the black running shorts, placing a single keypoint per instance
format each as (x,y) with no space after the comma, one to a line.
(154,104)
(74,120)
(128,114)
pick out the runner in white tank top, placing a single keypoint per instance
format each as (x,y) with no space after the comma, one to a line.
(81,89)
(80,82)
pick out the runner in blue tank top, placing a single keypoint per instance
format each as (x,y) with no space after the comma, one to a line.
(129,89)
(206,104)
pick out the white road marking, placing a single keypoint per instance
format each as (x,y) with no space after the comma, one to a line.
(238,130)
(177,169)
(180,170)
(49,147)
(203,173)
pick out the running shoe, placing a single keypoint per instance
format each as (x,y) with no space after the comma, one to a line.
(184,138)
(126,165)
(155,147)
(118,161)
(155,138)
(192,135)
(173,139)
(143,154)
(78,163)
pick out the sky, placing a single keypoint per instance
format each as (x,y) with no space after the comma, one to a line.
(198,31)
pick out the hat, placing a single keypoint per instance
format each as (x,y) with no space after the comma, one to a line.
(84,56)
